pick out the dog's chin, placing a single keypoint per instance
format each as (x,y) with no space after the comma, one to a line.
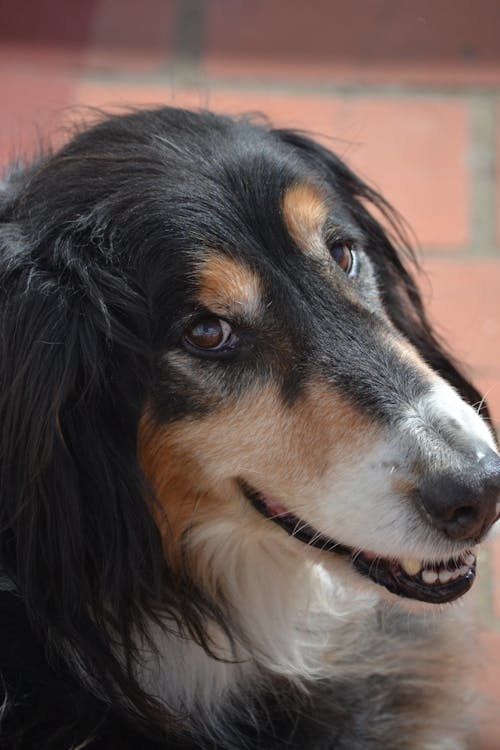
(412,580)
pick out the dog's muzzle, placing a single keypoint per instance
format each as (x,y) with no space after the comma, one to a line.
(462,506)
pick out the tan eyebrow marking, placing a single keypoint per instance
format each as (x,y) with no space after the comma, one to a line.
(227,287)
(305,212)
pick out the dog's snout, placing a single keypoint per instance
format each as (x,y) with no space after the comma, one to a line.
(464,504)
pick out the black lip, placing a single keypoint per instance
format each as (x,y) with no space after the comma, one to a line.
(385,572)
(389,574)
(296,528)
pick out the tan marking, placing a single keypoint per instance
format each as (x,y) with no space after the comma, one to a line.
(403,487)
(305,212)
(192,464)
(228,288)
(174,478)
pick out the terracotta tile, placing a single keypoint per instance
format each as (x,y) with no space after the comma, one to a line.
(127,35)
(47,22)
(41,58)
(443,75)
(378,31)
(496,167)
(494,551)
(414,150)
(379,42)
(463,301)
(34,108)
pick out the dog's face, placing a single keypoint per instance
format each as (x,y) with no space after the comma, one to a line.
(286,403)
(214,299)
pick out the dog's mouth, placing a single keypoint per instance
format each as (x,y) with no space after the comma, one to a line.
(436,583)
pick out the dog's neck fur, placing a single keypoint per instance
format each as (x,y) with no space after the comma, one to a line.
(292,618)
(299,625)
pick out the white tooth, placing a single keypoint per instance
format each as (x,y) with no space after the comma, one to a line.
(470,559)
(445,576)
(411,566)
(429,576)
(463,570)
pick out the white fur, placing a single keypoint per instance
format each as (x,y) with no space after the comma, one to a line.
(444,404)
(291,617)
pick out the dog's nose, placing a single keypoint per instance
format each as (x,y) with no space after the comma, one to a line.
(464,505)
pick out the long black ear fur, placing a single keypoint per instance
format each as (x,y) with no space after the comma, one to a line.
(400,294)
(76,536)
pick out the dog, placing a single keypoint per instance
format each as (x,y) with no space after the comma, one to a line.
(240,476)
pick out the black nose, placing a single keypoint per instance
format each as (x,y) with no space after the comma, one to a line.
(465,503)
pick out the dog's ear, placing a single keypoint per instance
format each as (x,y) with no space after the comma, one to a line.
(76,534)
(391,252)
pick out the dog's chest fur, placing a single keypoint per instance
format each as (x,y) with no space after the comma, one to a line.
(377,702)
(360,712)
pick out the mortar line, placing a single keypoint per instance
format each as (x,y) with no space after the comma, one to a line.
(482,176)
(188,42)
(192,41)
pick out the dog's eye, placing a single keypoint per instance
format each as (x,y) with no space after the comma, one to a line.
(210,335)
(343,255)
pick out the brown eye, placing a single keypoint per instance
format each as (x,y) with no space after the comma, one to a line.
(343,256)
(210,335)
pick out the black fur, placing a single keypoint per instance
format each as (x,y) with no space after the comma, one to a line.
(93,272)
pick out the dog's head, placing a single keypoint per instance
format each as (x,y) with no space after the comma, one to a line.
(210,345)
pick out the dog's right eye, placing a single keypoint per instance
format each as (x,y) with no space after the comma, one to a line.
(210,335)
(343,255)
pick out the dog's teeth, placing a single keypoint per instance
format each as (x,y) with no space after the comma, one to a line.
(429,576)
(411,566)
(470,559)
(445,576)
(464,570)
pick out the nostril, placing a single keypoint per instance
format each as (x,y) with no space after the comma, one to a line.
(465,520)
(464,515)
(463,505)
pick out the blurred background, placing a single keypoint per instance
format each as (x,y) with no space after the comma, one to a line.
(406,91)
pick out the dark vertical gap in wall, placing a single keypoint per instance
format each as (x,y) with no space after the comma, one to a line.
(189,18)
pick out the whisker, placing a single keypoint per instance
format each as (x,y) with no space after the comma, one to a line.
(299,526)
(315,538)
(479,405)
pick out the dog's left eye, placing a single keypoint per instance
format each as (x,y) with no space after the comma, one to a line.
(343,255)
(210,335)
